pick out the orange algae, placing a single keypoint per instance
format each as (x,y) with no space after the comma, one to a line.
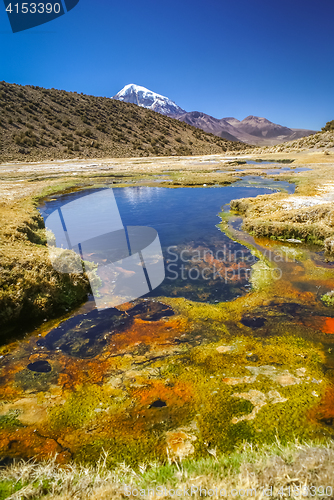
(26,443)
(322,323)
(324,411)
(180,394)
(329,325)
(148,333)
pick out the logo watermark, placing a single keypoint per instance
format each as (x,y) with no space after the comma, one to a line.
(122,263)
(26,15)
(294,491)
(221,264)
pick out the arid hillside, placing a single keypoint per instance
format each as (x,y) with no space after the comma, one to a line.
(38,124)
(323,140)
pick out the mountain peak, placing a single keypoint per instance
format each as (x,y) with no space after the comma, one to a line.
(252,129)
(255,119)
(136,94)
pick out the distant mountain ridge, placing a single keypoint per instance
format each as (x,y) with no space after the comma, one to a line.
(251,130)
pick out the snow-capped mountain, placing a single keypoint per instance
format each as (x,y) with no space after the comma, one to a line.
(251,130)
(145,98)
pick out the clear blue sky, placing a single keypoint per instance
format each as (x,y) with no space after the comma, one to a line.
(272,58)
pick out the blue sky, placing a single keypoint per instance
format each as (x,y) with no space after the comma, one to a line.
(272,58)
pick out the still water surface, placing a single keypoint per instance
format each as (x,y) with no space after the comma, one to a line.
(186,221)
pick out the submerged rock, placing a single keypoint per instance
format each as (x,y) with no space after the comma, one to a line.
(253,322)
(84,336)
(150,310)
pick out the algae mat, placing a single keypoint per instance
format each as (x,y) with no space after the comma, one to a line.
(199,367)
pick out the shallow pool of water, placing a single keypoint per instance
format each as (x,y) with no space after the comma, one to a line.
(201,263)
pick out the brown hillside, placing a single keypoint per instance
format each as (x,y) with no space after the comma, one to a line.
(40,124)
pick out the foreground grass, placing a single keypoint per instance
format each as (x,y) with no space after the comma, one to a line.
(308,466)
(30,289)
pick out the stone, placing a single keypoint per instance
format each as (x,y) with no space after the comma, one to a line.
(224,348)
(179,444)
(258,400)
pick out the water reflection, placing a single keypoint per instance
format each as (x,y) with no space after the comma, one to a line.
(185,220)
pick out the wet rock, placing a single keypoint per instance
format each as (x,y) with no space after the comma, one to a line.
(179,444)
(327,421)
(41,366)
(225,348)
(40,381)
(258,400)
(241,380)
(252,322)
(84,336)
(253,358)
(158,404)
(301,372)
(286,379)
(150,310)
(282,377)
(29,411)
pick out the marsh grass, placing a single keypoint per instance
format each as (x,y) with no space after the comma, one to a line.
(30,289)
(307,215)
(276,466)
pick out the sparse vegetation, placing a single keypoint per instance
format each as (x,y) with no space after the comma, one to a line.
(323,140)
(328,127)
(36,121)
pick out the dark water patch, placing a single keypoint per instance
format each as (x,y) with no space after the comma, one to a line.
(41,366)
(290,308)
(149,310)
(268,162)
(327,421)
(267,183)
(84,336)
(158,404)
(253,358)
(253,322)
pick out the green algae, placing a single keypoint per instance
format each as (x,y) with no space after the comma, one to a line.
(119,449)
(203,368)
(328,298)
(81,407)
(37,381)
(10,420)
(215,406)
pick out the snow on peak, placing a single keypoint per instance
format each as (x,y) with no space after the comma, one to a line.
(145,98)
